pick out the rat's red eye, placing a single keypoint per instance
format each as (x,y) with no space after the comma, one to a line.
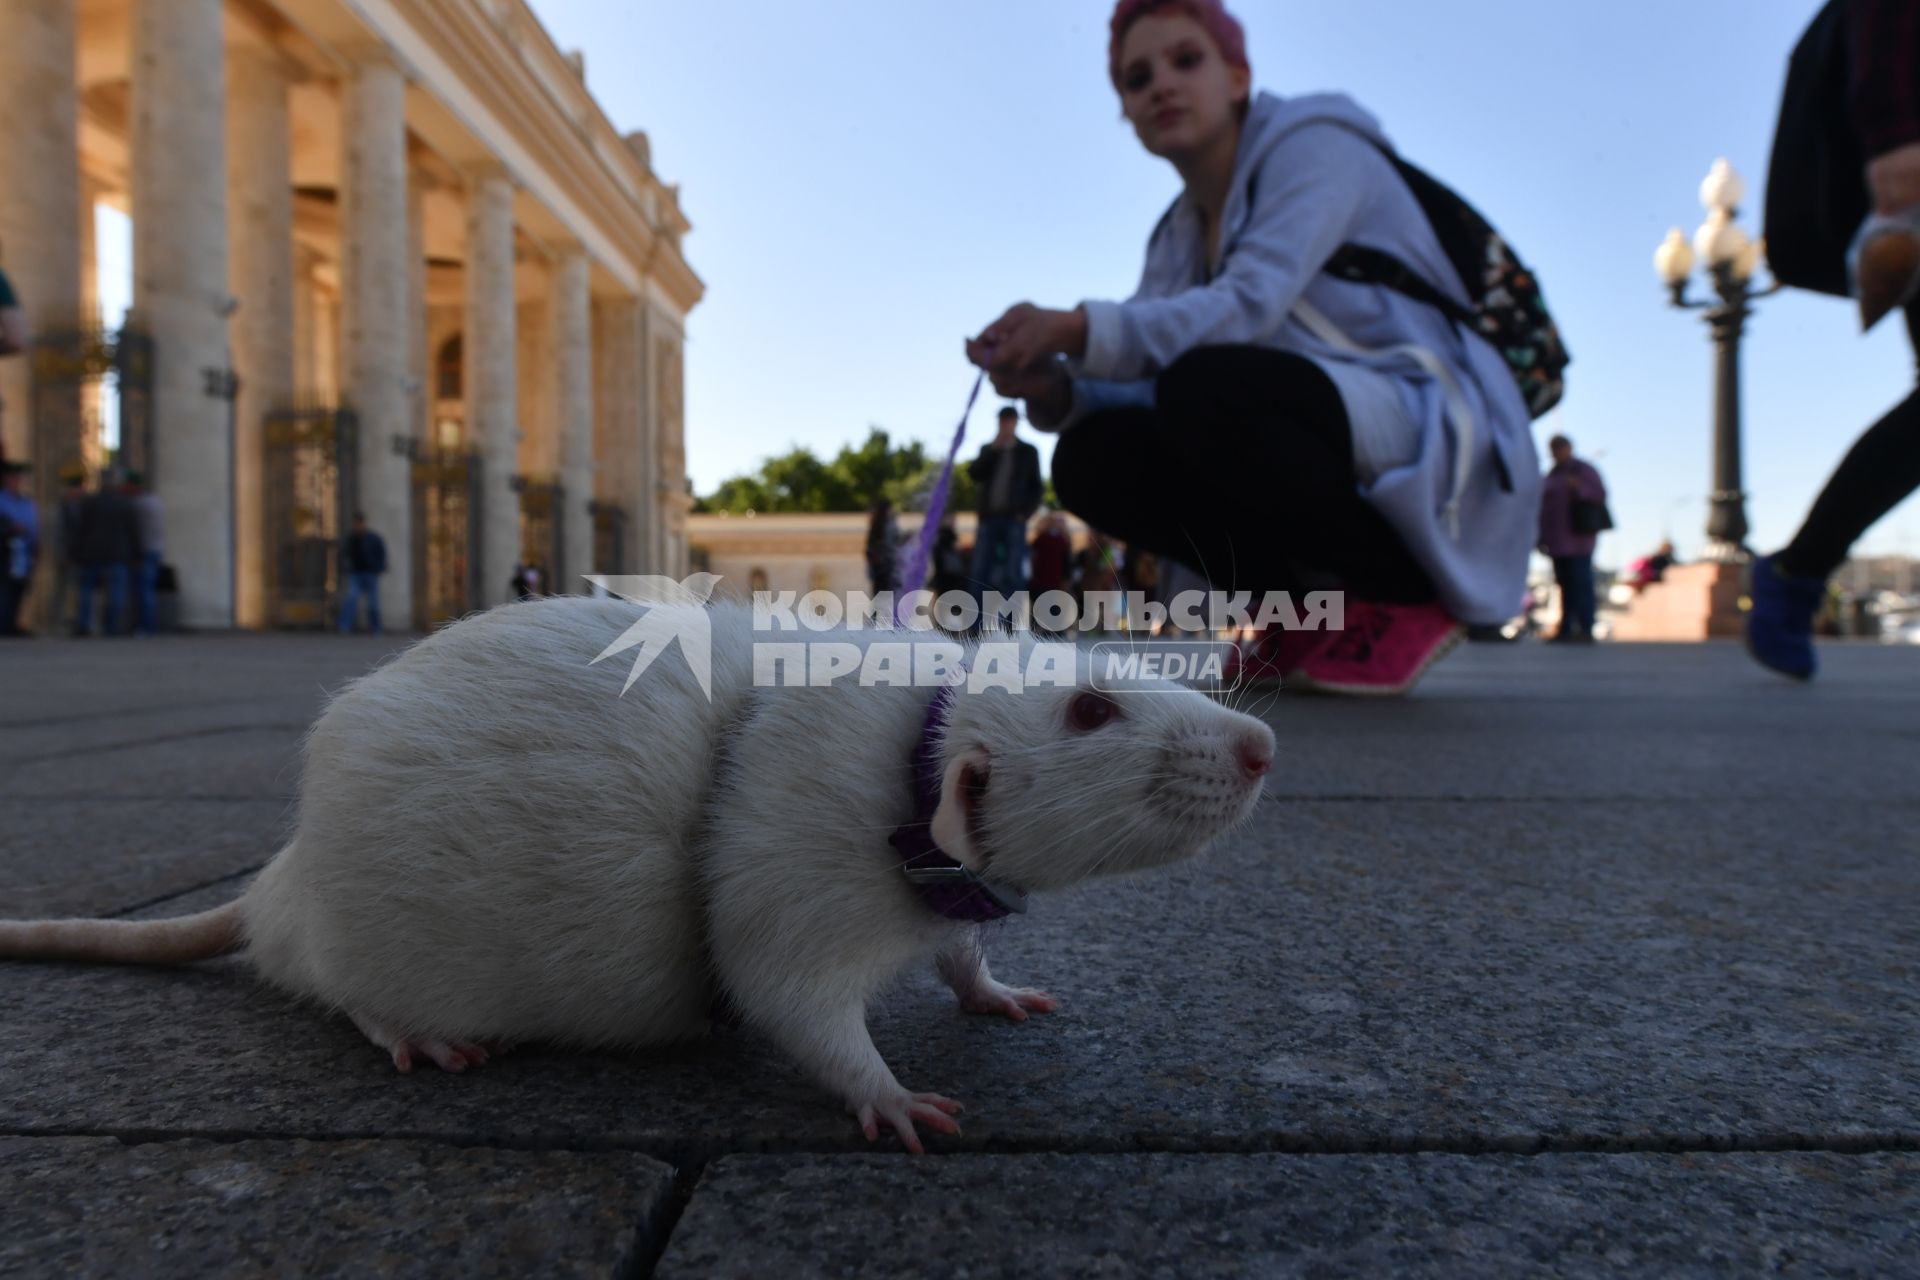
(1088,711)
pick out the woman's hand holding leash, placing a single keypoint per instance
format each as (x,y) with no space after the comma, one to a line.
(1018,352)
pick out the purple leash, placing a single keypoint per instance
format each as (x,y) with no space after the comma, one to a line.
(913,570)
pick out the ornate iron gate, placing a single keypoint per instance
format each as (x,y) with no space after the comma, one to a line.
(446,535)
(541,503)
(67,358)
(609,537)
(310,466)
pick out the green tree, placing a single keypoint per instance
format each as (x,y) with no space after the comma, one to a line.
(799,481)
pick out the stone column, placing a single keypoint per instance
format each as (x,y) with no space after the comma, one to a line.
(177,159)
(40,244)
(375,289)
(39,195)
(260,273)
(666,448)
(419,359)
(488,361)
(571,327)
(92,443)
(619,420)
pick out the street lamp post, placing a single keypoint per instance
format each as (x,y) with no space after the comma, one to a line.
(1730,258)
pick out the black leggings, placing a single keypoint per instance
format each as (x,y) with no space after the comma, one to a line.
(1881,469)
(1243,470)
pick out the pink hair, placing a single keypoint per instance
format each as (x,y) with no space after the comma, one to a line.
(1212,16)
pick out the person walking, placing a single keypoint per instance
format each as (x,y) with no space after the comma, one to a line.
(19,544)
(1050,557)
(363,558)
(1848,138)
(1248,412)
(73,495)
(1573,506)
(146,571)
(1006,478)
(948,572)
(883,547)
(13,340)
(106,547)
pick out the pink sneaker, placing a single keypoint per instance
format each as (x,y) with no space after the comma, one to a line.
(1272,656)
(1384,649)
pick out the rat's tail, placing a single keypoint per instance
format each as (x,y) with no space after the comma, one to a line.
(177,941)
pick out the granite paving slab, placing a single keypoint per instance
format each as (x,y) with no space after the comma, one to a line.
(254,760)
(61,679)
(1393,976)
(1272,1216)
(96,1207)
(1624,722)
(84,733)
(103,854)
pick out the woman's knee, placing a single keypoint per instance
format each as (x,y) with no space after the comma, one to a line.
(1207,379)
(1073,460)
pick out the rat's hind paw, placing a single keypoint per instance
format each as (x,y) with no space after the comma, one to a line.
(901,1110)
(1009,1002)
(449,1055)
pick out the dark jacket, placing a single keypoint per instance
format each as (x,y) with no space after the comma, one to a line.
(1023,495)
(364,553)
(883,545)
(108,529)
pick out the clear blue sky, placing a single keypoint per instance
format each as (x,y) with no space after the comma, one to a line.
(870,180)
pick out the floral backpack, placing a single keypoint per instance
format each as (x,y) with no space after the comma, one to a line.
(1506,309)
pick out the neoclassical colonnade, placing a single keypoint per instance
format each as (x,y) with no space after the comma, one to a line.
(412,211)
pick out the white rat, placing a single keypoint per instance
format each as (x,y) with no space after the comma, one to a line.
(496,845)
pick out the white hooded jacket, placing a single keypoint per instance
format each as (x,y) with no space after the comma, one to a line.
(1443,444)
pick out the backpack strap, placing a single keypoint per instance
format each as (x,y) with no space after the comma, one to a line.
(1360,264)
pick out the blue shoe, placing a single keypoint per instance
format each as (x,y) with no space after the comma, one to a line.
(1780,625)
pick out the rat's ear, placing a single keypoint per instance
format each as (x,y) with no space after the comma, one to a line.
(963,787)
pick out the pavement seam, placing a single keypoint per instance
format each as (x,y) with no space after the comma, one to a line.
(657,1231)
(155,740)
(171,894)
(685,1157)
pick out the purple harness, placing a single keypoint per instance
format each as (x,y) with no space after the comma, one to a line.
(948,887)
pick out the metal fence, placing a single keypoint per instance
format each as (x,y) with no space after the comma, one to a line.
(446,535)
(310,470)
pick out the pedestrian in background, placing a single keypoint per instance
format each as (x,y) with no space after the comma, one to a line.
(1050,557)
(949,568)
(883,546)
(1573,513)
(363,558)
(107,546)
(1006,477)
(19,544)
(73,493)
(146,571)
(1846,157)
(13,338)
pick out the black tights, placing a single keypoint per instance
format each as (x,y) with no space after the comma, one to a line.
(1881,469)
(1243,470)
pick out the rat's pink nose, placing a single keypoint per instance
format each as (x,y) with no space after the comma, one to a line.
(1256,757)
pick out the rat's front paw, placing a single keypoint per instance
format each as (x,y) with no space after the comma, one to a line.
(1008,1002)
(901,1109)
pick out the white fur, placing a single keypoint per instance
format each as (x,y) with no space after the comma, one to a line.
(495,845)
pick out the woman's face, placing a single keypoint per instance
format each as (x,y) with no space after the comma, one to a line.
(1175,88)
